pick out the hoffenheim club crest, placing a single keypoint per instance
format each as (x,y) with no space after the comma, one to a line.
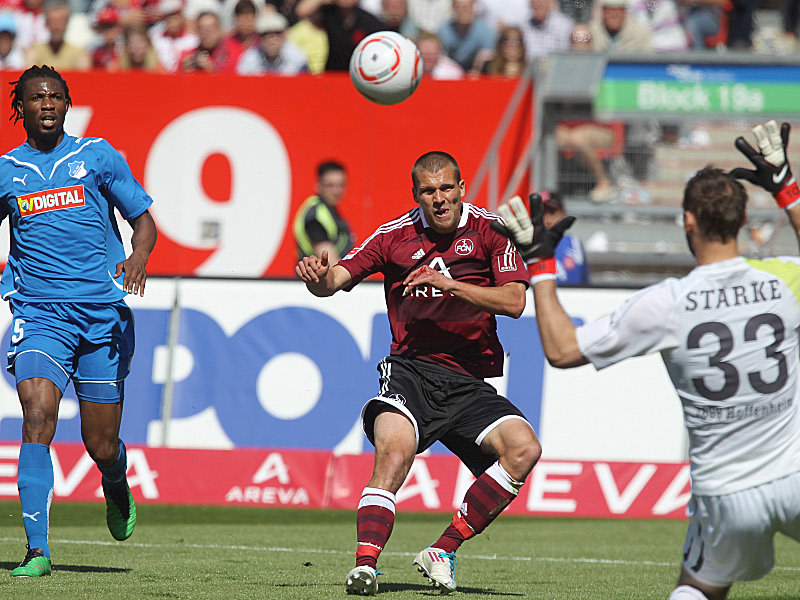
(77,170)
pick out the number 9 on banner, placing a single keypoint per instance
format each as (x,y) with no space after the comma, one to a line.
(386,67)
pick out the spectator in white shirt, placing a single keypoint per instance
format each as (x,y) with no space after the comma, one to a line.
(171,36)
(274,54)
(31,28)
(435,63)
(504,13)
(429,15)
(547,30)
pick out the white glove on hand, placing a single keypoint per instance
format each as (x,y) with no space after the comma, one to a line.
(518,222)
(769,141)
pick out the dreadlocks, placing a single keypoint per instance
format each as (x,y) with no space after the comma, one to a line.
(34,72)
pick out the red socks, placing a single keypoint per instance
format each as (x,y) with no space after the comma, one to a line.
(484,500)
(374,523)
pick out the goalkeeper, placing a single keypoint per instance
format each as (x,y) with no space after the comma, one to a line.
(727,332)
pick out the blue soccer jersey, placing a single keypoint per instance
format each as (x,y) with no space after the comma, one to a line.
(571,262)
(65,244)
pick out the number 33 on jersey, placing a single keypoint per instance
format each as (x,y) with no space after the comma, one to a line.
(728,333)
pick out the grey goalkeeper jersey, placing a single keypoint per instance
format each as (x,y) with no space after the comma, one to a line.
(728,335)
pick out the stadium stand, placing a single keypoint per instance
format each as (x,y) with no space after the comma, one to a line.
(631,238)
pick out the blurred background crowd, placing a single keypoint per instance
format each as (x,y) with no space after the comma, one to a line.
(457,38)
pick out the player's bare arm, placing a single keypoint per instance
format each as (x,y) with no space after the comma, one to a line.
(508,299)
(320,278)
(559,342)
(143,241)
(794,216)
(537,245)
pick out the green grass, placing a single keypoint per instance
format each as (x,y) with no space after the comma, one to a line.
(231,553)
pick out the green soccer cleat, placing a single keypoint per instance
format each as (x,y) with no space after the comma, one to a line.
(35,564)
(120,511)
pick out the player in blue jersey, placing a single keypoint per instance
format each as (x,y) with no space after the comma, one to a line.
(65,281)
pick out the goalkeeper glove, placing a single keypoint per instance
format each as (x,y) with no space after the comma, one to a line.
(535,242)
(772,171)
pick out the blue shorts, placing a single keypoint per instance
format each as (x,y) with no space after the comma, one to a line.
(92,344)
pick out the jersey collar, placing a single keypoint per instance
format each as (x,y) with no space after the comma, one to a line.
(465,208)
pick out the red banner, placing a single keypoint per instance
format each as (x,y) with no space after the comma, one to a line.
(318,479)
(229,159)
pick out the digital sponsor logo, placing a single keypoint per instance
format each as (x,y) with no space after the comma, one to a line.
(47,200)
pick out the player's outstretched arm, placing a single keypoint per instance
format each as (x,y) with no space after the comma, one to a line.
(559,342)
(143,241)
(320,278)
(772,170)
(537,245)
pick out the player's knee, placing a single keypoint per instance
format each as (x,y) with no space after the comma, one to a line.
(102,450)
(393,461)
(38,418)
(530,455)
(38,424)
(687,592)
(391,468)
(521,458)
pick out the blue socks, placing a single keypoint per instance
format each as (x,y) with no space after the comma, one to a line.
(114,474)
(35,483)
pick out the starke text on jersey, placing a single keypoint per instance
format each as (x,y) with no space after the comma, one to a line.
(737,295)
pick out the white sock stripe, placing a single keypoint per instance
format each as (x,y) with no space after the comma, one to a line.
(501,476)
(377,497)
(376,501)
(378,492)
(370,544)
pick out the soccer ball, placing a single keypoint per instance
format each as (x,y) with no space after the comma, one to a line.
(386,67)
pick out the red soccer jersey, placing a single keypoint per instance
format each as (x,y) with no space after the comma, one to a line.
(429,324)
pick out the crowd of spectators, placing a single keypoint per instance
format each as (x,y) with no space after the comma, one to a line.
(457,38)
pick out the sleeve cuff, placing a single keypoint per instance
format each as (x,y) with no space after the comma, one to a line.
(789,195)
(542,269)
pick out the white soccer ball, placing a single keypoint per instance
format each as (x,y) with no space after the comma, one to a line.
(386,67)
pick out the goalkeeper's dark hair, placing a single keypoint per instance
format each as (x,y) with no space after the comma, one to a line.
(718,201)
(34,72)
(432,162)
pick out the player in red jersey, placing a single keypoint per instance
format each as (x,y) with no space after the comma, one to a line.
(446,275)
